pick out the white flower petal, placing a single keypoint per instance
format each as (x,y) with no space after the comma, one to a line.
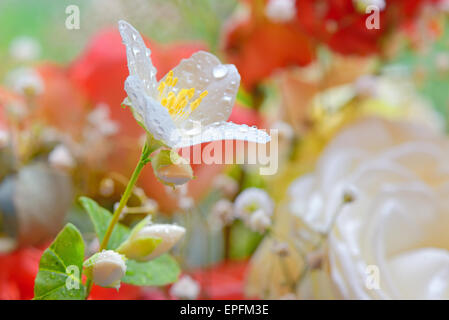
(203,71)
(138,55)
(422,273)
(219,131)
(148,112)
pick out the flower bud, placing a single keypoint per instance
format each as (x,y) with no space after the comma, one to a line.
(171,169)
(148,241)
(106,268)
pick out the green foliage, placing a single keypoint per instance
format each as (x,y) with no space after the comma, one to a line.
(434,84)
(157,272)
(243,241)
(59,276)
(101,218)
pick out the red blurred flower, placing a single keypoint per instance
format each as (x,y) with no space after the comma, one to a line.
(224,281)
(126,292)
(61,104)
(17,273)
(258,46)
(342,27)
(19,269)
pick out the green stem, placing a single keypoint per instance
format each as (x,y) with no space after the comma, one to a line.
(122,204)
(144,159)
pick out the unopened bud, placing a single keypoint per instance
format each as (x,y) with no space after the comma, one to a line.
(148,241)
(171,169)
(106,268)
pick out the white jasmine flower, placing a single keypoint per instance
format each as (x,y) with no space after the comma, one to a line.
(61,158)
(185,288)
(259,221)
(25,81)
(100,119)
(222,214)
(25,48)
(106,268)
(252,200)
(148,241)
(280,10)
(227,185)
(198,93)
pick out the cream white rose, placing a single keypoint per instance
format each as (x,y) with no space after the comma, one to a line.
(392,241)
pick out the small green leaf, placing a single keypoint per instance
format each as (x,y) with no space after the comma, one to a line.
(100,218)
(157,272)
(60,268)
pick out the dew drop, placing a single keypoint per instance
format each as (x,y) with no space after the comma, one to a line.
(219,71)
(227,99)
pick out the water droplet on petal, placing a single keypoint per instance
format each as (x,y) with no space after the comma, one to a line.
(219,71)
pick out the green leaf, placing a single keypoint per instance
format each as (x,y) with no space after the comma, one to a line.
(157,272)
(100,218)
(60,268)
(243,241)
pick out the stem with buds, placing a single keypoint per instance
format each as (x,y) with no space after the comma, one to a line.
(144,159)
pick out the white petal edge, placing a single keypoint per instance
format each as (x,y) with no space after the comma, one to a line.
(138,56)
(204,71)
(219,131)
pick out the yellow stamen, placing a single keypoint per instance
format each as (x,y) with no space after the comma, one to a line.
(176,103)
(161,87)
(168,78)
(191,92)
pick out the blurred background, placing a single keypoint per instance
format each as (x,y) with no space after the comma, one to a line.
(357,90)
